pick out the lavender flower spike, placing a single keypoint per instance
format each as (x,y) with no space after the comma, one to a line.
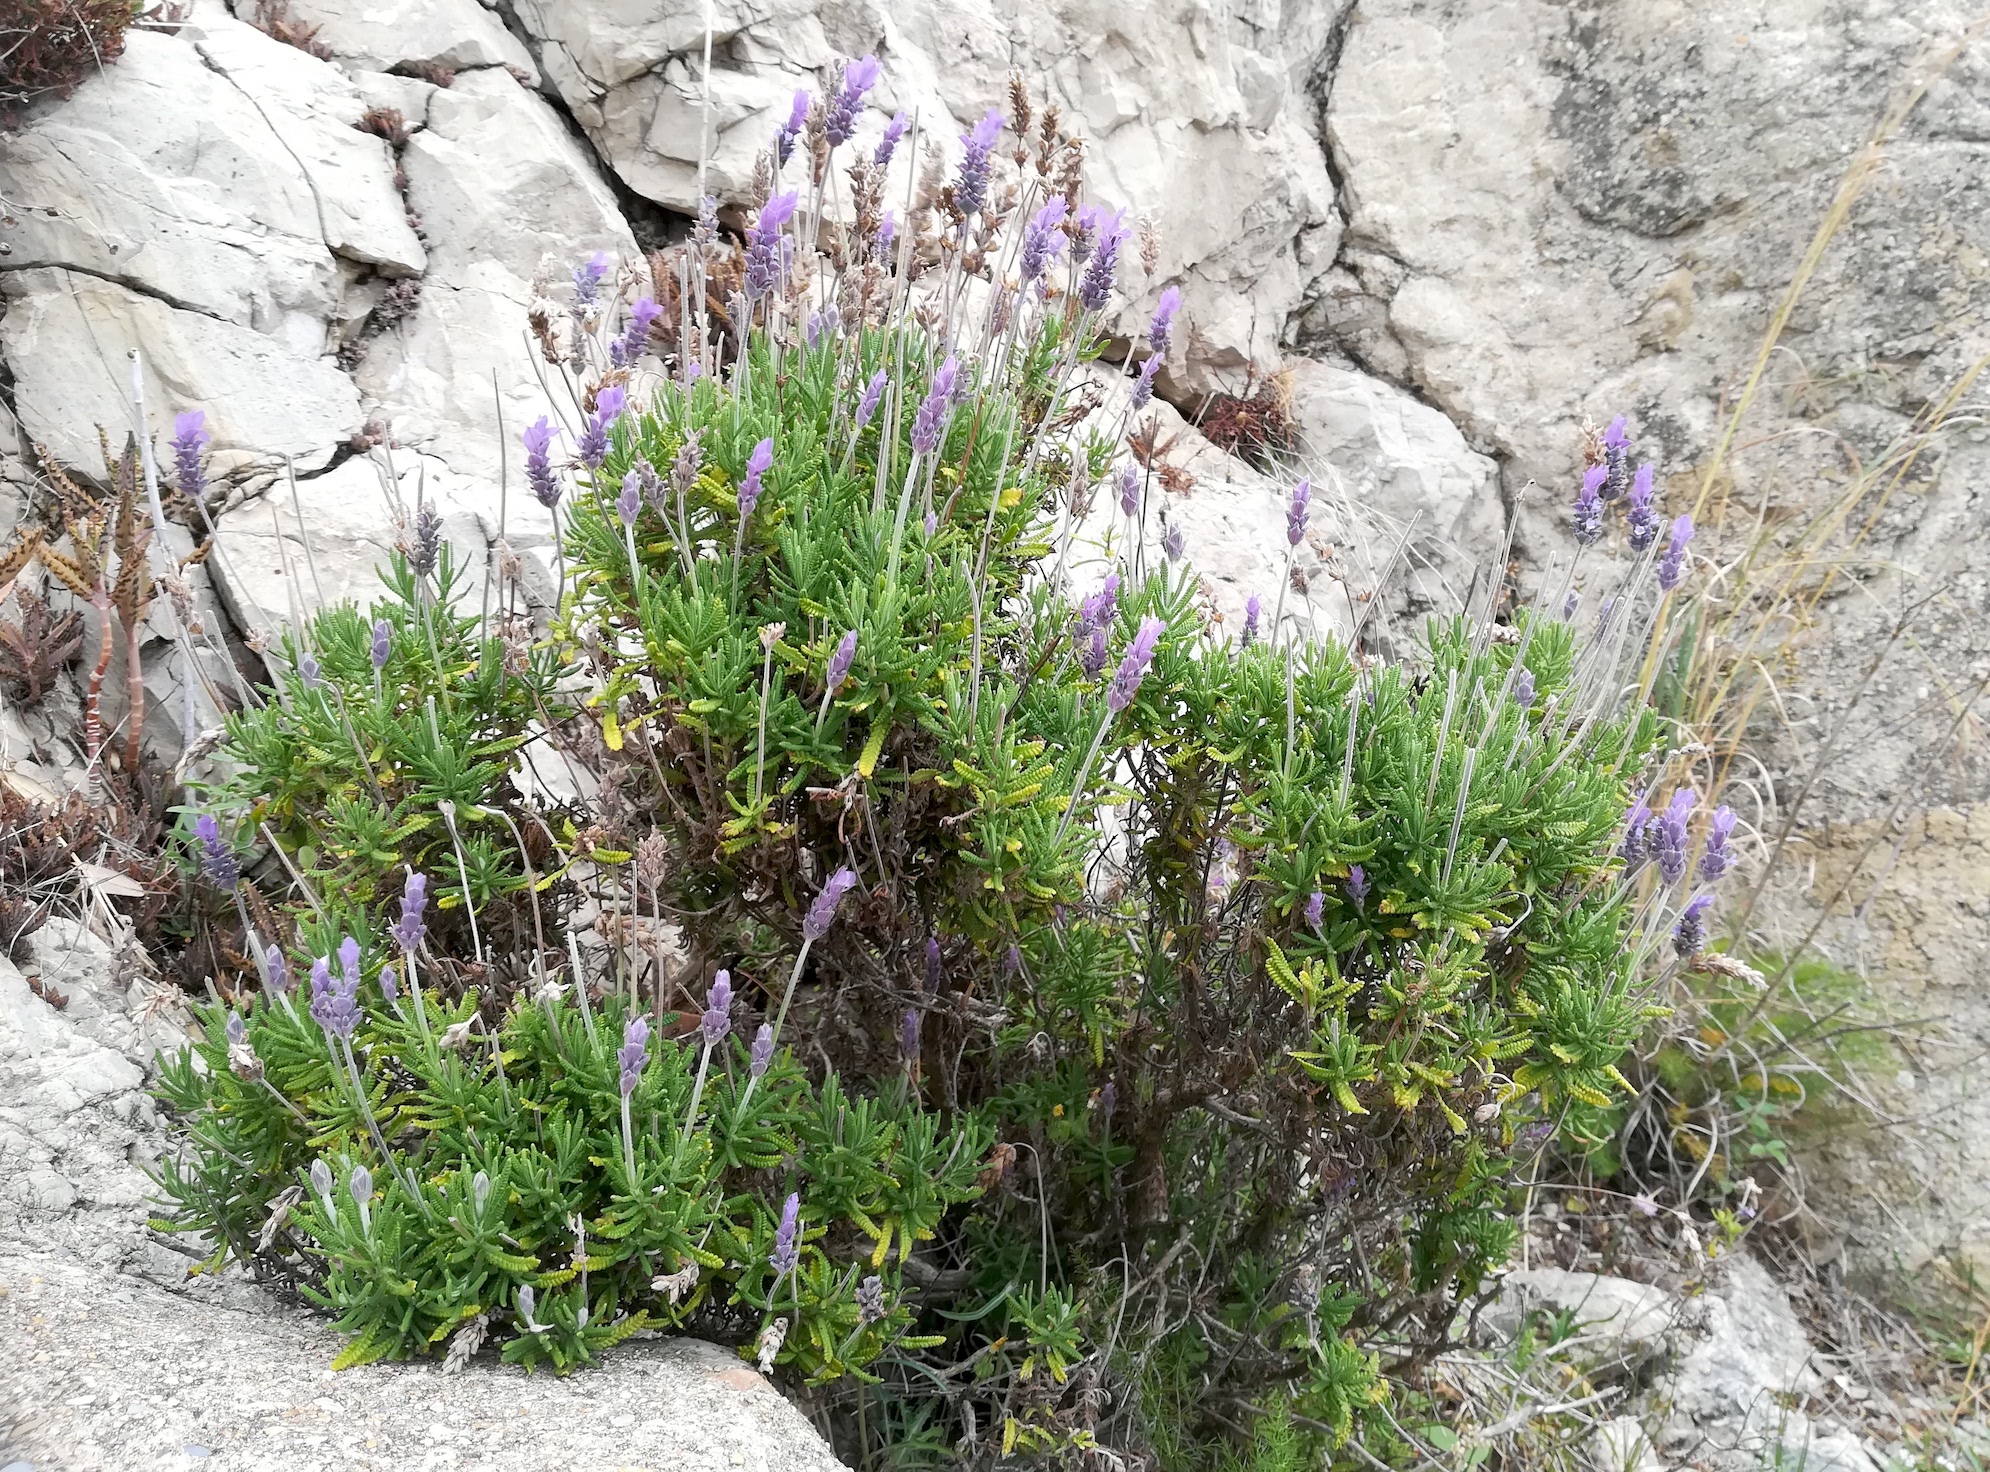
(1643,518)
(333,1007)
(1689,937)
(408,932)
(822,913)
(1129,489)
(785,1254)
(1523,689)
(190,440)
(1636,846)
(1588,514)
(762,1056)
(784,140)
(629,504)
(1095,287)
(1616,460)
(1316,908)
(539,474)
(1668,839)
(1159,329)
(608,406)
(587,278)
(383,643)
(629,346)
(757,465)
(1174,542)
(1296,513)
(908,1036)
(1717,858)
(1253,608)
(868,404)
(764,253)
(390,987)
(634,1053)
(1143,382)
(1043,240)
(858,78)
(927,423)
(888,145)
(717,1019)
(840,662)
(933,963)
(1092,657)
(1357,883)
(279,970)
(1133,667)
(1672,566)
(217,860)
(971,189)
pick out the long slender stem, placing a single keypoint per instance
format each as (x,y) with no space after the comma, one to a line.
(1084,772)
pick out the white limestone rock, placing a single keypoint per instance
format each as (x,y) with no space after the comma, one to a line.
(374,35)
(68,338)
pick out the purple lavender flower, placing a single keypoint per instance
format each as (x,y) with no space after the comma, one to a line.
(217,860)
(1296,513)
(1668,837)
(190,440)
(1092,653)
(1717,857)
(1643,518)
(1588,515)
(383,643)
(1164,317)
(308,671)
(279,970)
(349,961)
(1357,883)
(1253,608)
(887,232)
(1129,489)
(927,423)
(408,932)
(933,963)
(764,253)
(1043,240)
(888,145)
(334,1003)
(390,986)
(1689,936)
(785,1254)
(784,140)
(1531,1137)
(716,1021)
(1636,847)
(1095,287)
(870,1300)
(822,912)
(1616,460)
(841,120)
(1098,608)
(971,188)
(908,1035)
(1523,689)
(238,1030)
(546,488)
(634,1052)
(1133,667)
(587,278)
(630,503)
(1143,382)
(1571,605)
(1174,542)
(839,662)
(1012,960)
(608,406)
(762,1056)
(1316,908)
(756,466)
(868,404)
(629,346)
(1672,566)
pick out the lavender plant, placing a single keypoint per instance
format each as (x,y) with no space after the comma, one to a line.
(1146,1028)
